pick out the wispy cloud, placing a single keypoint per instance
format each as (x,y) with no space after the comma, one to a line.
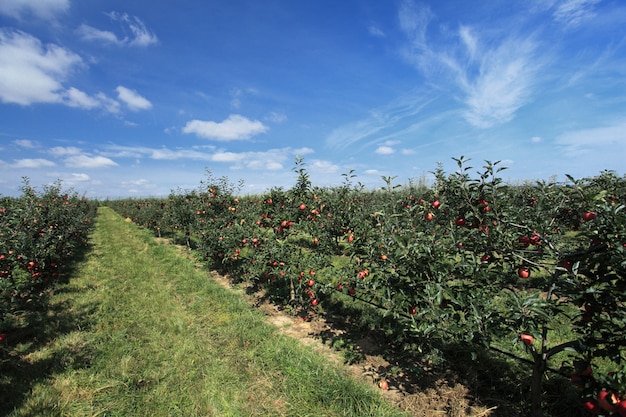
(505,81)
(375,31)
(43,9)
(381,122)
(235,127)
(60,151)
(268,160)
(275,117)
(495,75)
(135,32)
(237,94)
(573,12)
(587,141)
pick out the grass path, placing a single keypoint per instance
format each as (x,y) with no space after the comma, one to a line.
(139,331)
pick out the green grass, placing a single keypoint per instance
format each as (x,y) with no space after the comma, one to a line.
(140,331)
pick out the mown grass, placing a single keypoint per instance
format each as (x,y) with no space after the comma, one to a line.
(140,331)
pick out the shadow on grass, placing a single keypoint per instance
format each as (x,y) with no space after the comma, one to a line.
(29,355)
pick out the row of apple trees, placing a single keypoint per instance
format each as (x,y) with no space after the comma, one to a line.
(469,259)
(40,232)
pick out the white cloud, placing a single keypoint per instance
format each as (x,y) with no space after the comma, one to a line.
(76,98)
(303,151)
(384,150)
(43,9)
(132,99)
(25,143)
(324,167)
(536,139)
(86,161)
(227,157)
(31,72)
(90,33)
(108,103)
(235,127)
(32,163)
(139,35)
(169,154)
(64,151)
(79,177)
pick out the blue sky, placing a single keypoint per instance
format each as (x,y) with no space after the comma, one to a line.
(119,98)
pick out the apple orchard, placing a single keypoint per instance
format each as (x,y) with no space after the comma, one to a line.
(532,272)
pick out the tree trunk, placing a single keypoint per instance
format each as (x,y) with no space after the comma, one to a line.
(536,386)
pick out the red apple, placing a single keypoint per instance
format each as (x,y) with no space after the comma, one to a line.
(436,204)
(413,310)
(429,216)
(384,385)
(461,222)
(589,216)
(310,283)
(524,241)
(314,302)
(303,206)
(526,338)
(608,400)
(591,406)
(523,272)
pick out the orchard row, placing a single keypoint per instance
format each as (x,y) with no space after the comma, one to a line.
(39,235)
(468,259)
